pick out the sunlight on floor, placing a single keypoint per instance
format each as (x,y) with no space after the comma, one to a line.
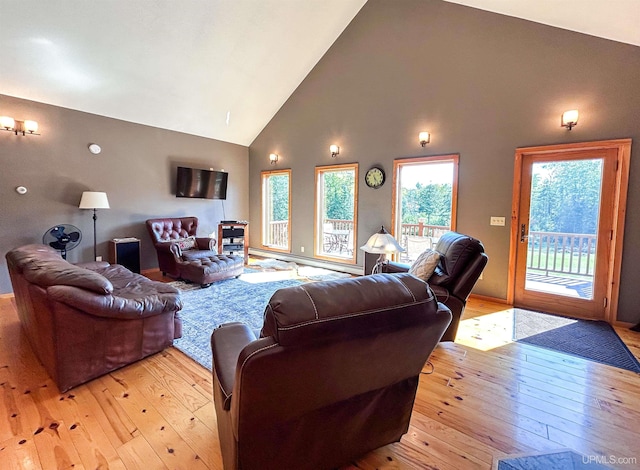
(486,330)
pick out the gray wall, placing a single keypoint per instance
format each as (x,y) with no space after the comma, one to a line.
(483,84)
(136,169)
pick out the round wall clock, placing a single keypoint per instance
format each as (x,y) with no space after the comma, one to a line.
(374,177)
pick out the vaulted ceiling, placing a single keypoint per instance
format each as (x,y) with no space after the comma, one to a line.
(214,68)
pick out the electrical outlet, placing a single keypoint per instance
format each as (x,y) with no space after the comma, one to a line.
(497,221)
(98,258)
(302,249)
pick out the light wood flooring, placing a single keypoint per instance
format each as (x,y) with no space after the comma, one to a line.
(475,407)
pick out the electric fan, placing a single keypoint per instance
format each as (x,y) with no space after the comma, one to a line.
(62,238)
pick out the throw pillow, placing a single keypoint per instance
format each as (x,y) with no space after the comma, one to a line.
(186,243)
(424,266)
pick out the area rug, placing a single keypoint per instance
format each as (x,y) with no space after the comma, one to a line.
(243,299)
(560,460)
(593,340)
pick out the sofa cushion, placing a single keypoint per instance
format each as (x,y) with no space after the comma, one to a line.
(45,267)
(424,266)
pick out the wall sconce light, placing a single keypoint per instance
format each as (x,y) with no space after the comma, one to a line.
(335,150)
(570,119)
(18,127)
(424,138)
(273,158)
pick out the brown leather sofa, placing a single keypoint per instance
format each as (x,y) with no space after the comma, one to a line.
(332,376)
(86,320)
(183,255)
(463,260)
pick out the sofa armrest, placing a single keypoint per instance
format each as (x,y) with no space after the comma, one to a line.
(227,342)
(111,306)
(169,247)
(394,267)
(206,243)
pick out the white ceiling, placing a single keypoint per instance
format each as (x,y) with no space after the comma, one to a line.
(214,68)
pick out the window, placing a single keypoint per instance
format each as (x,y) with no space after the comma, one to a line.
(336,213)
(276,214)
(424,202)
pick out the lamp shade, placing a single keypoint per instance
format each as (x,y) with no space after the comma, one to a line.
(94,200)
(382,242)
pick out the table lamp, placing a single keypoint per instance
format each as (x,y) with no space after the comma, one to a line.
(94,200)
(381,243)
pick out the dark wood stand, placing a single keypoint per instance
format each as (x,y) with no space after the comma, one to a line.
(234,238)
(125,251)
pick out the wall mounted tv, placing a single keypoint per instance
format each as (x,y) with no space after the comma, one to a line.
(203,184)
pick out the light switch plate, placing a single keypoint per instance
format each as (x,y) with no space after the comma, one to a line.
(497,221)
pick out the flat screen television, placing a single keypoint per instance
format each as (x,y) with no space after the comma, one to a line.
(203,184)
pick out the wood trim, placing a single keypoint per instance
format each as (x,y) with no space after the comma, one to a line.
(623,150)
(7,296)
(263,176)
(487,298)
(316,251)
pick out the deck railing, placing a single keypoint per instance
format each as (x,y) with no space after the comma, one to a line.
(562,253)
(278,234)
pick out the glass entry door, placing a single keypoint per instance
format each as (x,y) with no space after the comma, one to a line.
(564,232)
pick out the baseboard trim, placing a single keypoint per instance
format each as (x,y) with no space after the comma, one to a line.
(351,269)
(489,299)
(7,296)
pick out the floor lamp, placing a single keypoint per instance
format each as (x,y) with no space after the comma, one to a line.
(381,243)
(94,200)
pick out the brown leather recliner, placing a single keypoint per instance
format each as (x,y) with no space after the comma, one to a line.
(463,260)
(183,255)
(333,375)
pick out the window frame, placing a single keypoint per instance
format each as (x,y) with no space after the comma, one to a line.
(398,163)
(264,176)
(317,223)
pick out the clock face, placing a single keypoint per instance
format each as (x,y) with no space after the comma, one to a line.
(374,177)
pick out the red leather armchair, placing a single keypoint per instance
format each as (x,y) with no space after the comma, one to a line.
(332,376)
(183,255)
(463,260)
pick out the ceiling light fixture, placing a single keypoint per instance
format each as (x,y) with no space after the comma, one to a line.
(18,127)
(424,138)
(570,119)
(335,150)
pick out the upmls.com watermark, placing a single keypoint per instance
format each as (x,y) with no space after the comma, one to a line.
(609,460)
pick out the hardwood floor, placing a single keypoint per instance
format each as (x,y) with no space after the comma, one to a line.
(475,407)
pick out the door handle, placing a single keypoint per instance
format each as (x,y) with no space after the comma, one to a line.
(523,236)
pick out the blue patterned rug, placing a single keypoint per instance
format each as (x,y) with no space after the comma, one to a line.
(560,460)
(243,299)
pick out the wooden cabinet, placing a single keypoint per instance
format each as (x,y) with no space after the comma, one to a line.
(233,238)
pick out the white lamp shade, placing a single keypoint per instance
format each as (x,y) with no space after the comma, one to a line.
(7,122)
(570,117)
(382,242)
(424,137)
(94,200)
(31,126)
